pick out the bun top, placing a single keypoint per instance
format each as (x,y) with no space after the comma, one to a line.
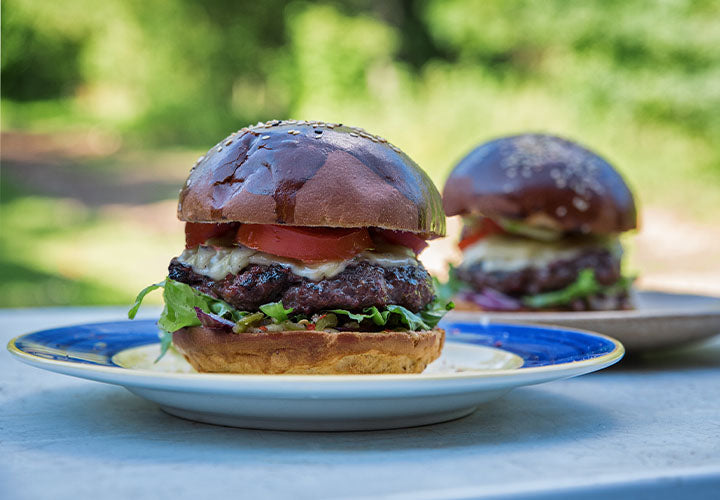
(544,181)
(306,173)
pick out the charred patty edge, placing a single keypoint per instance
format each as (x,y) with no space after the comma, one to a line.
(359,286)
(556,275)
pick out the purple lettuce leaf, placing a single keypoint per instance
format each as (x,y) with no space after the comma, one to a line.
(213,321)
(491,300)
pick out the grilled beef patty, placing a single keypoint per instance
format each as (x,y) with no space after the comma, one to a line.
(359,286)
(555,276)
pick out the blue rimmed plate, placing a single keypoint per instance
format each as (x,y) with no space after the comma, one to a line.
(480,362)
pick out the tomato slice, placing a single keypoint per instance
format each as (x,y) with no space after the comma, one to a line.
(404,238)
(197,233)
(309,244)
(483,228)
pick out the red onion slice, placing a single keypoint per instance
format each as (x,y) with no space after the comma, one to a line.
(213,321)
(491,300)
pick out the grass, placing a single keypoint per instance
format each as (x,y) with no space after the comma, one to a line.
(57,251)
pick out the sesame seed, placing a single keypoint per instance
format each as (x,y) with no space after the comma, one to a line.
(219,149)
(353,134)
(580,204)
(200,159)
(265,137)
(229,142)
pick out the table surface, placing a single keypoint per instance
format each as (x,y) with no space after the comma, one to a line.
(646,428)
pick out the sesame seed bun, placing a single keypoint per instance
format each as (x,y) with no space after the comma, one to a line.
(302,173)
(544,181)
(309,352)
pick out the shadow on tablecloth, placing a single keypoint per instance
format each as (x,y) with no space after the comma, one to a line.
(109,422)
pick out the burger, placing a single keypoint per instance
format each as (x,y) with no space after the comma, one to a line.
(301,244)
(541,218)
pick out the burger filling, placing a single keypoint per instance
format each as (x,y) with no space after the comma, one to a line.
(255,278)
(360,284)
(504,269)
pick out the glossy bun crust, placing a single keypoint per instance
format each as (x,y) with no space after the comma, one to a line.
(543,180)
(308,352)
(304,173)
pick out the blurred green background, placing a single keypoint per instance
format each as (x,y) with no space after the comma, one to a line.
(105,105)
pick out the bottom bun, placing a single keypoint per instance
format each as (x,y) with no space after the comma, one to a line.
(309,352)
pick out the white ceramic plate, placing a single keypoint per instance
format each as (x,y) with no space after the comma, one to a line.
(480,362)
(660,320)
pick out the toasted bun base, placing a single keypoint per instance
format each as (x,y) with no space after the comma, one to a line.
(309,352)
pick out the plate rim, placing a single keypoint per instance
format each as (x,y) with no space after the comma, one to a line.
(597,362)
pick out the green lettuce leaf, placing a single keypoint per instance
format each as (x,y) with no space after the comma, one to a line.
(409,318)
(378,317)
(276,311)
(353,316)
(445,291)
(536,233)
(622,285)
(435,310)
(373,314)
(138,300)
(584,286)
(180,303)
(224,309)
(426,319)
(165,343)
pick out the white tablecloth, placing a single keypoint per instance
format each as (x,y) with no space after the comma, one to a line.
(646,428)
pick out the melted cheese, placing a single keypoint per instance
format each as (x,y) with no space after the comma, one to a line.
(218,262)
(503,253)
